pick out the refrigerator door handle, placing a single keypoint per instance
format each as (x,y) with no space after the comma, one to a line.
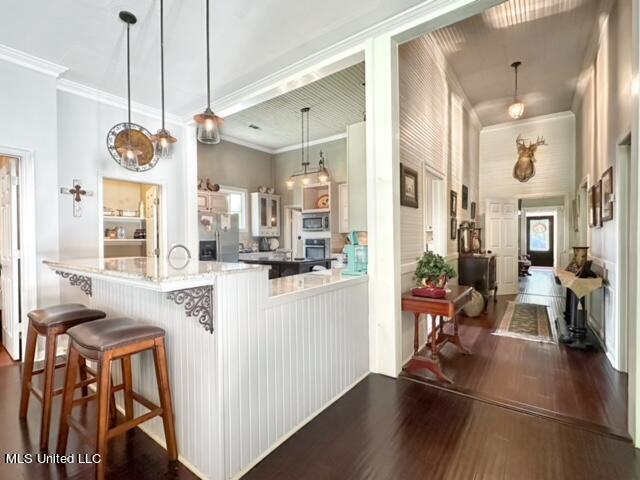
(218,247)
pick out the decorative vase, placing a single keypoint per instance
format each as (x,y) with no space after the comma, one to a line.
(475,306)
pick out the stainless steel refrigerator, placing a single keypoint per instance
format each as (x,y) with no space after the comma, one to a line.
(219,238)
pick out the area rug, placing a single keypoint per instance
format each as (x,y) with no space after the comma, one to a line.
(527,321)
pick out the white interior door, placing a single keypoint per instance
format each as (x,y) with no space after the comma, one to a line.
(501,235)
(297,246)
(151,203)
(9,257)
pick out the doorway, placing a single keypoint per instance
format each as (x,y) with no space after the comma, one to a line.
(540,240)
(131,220)
(293,232)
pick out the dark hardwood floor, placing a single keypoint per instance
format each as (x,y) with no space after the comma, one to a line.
(132,456)
(542,378)
(402,429)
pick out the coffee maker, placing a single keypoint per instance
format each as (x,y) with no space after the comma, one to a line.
(357,254)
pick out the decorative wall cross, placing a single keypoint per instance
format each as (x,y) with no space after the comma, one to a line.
(78,192)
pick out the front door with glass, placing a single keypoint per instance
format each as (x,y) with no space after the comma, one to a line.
(540,240)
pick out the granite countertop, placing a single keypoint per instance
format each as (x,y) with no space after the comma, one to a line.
(309,281)
(150,272)
(295,260)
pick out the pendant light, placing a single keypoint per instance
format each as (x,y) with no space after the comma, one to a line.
(516,109)
(322,174)
(162,141)
(129,144)
(208,122)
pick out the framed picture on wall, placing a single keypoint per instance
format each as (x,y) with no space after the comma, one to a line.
(597,204)
(465,197)
(473,210)
(454,228)
(590,206)
(408,187)
(607,194)
(453,204)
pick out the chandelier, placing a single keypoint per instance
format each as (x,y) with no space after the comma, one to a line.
(307,174)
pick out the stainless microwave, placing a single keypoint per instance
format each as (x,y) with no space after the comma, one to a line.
(315,222)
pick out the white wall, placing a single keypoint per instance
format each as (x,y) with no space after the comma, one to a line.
(83,124)
(28,121)
(603,116)
(428,129)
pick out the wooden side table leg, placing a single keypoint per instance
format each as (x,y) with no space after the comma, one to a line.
(416,333)
(455,338)
(434,339)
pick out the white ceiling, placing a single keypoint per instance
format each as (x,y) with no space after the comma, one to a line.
(250,40)
(550,37)
(336,101)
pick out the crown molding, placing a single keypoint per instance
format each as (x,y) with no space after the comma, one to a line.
(244,143)
(331,138)
(527,121)
(103,97)
(31,62)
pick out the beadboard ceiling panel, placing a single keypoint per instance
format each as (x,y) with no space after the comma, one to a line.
(336,101)
(550,37)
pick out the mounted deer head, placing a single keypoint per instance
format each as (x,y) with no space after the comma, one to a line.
(525,169)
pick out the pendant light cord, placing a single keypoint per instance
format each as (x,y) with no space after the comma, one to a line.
(208,63)
(128,85)
(516,92)
(162,58)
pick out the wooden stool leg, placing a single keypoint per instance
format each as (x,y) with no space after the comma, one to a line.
(162,374)
(127,380)
(27,369)
(83,375)
(104,397)
(67,398)
(47,391)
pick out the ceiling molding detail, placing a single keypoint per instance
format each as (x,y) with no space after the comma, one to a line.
(529,121)
(32,62)
(103,97)
(244,143)
(332,138)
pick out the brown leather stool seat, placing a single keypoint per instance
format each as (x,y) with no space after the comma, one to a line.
(106,341)
(50,322)
(66,315)
(112,333)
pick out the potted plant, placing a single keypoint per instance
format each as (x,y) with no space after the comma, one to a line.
(432,274)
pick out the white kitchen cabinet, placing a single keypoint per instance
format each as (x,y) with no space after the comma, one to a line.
(265,215)
(343,203)
(357,176)
(212,202)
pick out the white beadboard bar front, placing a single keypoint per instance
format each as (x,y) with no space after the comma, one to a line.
(281,351)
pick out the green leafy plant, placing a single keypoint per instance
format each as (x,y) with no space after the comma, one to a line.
(433,270)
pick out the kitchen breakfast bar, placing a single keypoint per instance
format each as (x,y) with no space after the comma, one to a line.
(250,359)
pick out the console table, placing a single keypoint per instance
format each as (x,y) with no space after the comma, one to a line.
(447,307)
(575,312)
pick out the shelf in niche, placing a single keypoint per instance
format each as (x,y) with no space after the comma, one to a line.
(114,218)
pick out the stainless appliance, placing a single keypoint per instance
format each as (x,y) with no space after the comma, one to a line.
(263,244)
(219,237)
(315,222)
(317,248)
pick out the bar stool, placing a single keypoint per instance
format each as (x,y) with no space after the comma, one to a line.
(50,322)
(105,341)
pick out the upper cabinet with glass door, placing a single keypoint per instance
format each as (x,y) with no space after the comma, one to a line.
(265,215)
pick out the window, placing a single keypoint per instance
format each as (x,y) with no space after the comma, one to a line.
(237,203)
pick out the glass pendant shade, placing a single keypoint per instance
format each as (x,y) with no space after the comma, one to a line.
(129,156)
(516,109)
(305,180)
(163,143)
(208,127)
(290,183)
(323,175)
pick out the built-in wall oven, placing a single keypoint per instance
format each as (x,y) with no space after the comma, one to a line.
(317,248)
(315,222)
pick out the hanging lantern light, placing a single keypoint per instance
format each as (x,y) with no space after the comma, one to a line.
(516,109)
(209,123)
(162,141)
(306,174)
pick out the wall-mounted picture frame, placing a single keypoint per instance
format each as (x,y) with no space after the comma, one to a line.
(453,203)
(473,210)
(453,228)
(607,194)
(408,187)
(465,197)
(590,206)
(597,204)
